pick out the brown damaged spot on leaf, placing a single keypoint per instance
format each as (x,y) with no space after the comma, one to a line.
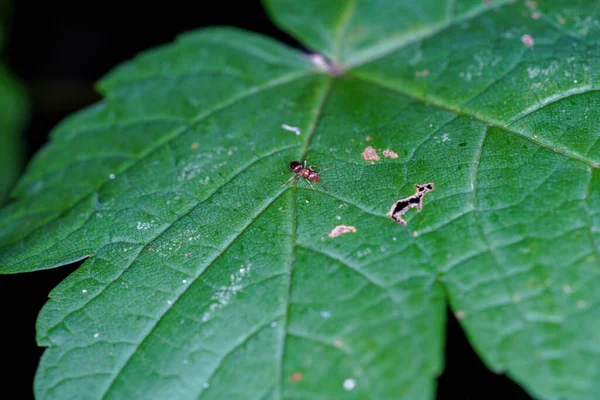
(390,154)
(368,138)
(296,377)
(370,154)
(340,230)
(423,73)
(195,145)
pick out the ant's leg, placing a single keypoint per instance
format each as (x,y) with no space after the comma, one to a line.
(286,182)
(322,186)
(313,188)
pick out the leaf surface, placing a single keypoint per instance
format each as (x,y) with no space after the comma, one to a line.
(207,278)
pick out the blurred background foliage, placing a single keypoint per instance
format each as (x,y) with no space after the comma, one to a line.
(13,112)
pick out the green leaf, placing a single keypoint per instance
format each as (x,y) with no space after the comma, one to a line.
(206,278)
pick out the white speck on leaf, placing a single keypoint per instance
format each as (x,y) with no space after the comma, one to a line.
(273,324)
(445,137)
(365,252)
(142,226)
(466,76)
(96,335)
(325,314)
(84,291)
(225,294)
(534,71)
(112,176)
(349,384)
(291,129)
(189,171)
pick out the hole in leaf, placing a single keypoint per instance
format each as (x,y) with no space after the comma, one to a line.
(466,377)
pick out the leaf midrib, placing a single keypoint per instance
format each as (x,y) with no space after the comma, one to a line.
(293,216)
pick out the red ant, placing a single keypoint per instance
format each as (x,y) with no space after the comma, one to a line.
(308,174)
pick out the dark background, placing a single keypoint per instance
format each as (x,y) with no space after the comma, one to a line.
(59,50)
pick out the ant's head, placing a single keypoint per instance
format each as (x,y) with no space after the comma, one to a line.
(296,166)
(428,187)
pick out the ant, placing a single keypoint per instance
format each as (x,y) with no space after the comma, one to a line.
(309,174)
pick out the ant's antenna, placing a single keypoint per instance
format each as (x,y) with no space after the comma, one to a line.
(325,169)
